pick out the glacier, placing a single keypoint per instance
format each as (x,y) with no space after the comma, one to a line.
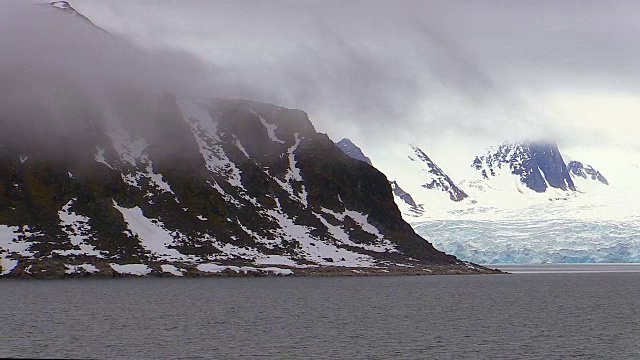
(567,213)
(595,226)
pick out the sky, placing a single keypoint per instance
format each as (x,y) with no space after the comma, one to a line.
(450,77)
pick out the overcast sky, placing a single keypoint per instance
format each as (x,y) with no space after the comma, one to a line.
(435,73)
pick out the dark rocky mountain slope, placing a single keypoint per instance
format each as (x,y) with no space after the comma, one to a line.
(216,186)
(122,181)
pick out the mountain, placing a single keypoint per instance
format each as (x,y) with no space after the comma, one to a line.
(127,181)
(211,186)
(428,184)
(538,166)
(433,177)
(402,198)
(578,170)
(531,207)
(352,150)
(403,195)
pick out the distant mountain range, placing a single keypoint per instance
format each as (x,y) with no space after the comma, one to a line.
(522,202)
(537,167)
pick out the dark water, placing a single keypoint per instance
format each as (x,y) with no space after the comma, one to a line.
(524,316)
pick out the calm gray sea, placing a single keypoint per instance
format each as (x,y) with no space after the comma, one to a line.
(582,315)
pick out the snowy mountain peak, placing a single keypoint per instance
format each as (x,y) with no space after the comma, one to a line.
(351,149)
(586,172)
(539,166)
(433,177)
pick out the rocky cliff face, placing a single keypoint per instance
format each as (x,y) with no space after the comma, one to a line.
(212,186)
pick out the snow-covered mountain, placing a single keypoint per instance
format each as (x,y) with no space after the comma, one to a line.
(418,184)
(221,184)
(189,187)
(533,206)
(65,7)
(538,166)
(527,203)
(578,171)
(432,177)
(403,199)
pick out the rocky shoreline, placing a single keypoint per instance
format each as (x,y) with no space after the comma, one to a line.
(108,271)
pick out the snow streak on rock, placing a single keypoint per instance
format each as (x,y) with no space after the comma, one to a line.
(293,175)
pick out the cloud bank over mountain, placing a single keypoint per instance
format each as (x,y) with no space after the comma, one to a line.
(493,69)
(55,73)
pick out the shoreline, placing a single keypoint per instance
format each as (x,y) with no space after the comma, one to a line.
(250,271)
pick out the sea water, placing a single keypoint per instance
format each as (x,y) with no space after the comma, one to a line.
(534,315)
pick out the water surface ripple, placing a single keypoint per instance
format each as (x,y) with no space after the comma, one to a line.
(526,316)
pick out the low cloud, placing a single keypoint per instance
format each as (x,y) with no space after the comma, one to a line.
(59,74)
(375,71)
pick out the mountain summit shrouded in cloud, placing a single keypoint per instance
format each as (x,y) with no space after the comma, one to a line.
(487,71)
(58,70)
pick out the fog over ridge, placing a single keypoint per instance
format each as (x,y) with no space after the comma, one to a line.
(58,73)
(430,73)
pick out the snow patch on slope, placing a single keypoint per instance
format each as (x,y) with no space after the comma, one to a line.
(271,128)
(338,232)
(78,230)
(99,157)
(75,269)
(293,175)
(215,268)
(205,129)
(313,249)
(12,244)
(173,270)
(152,235)
(131,269)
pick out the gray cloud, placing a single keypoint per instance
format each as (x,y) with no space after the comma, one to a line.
(407,70)
(58,74)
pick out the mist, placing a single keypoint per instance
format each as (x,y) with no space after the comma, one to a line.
(406,70)
(60,76)
(449,77)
